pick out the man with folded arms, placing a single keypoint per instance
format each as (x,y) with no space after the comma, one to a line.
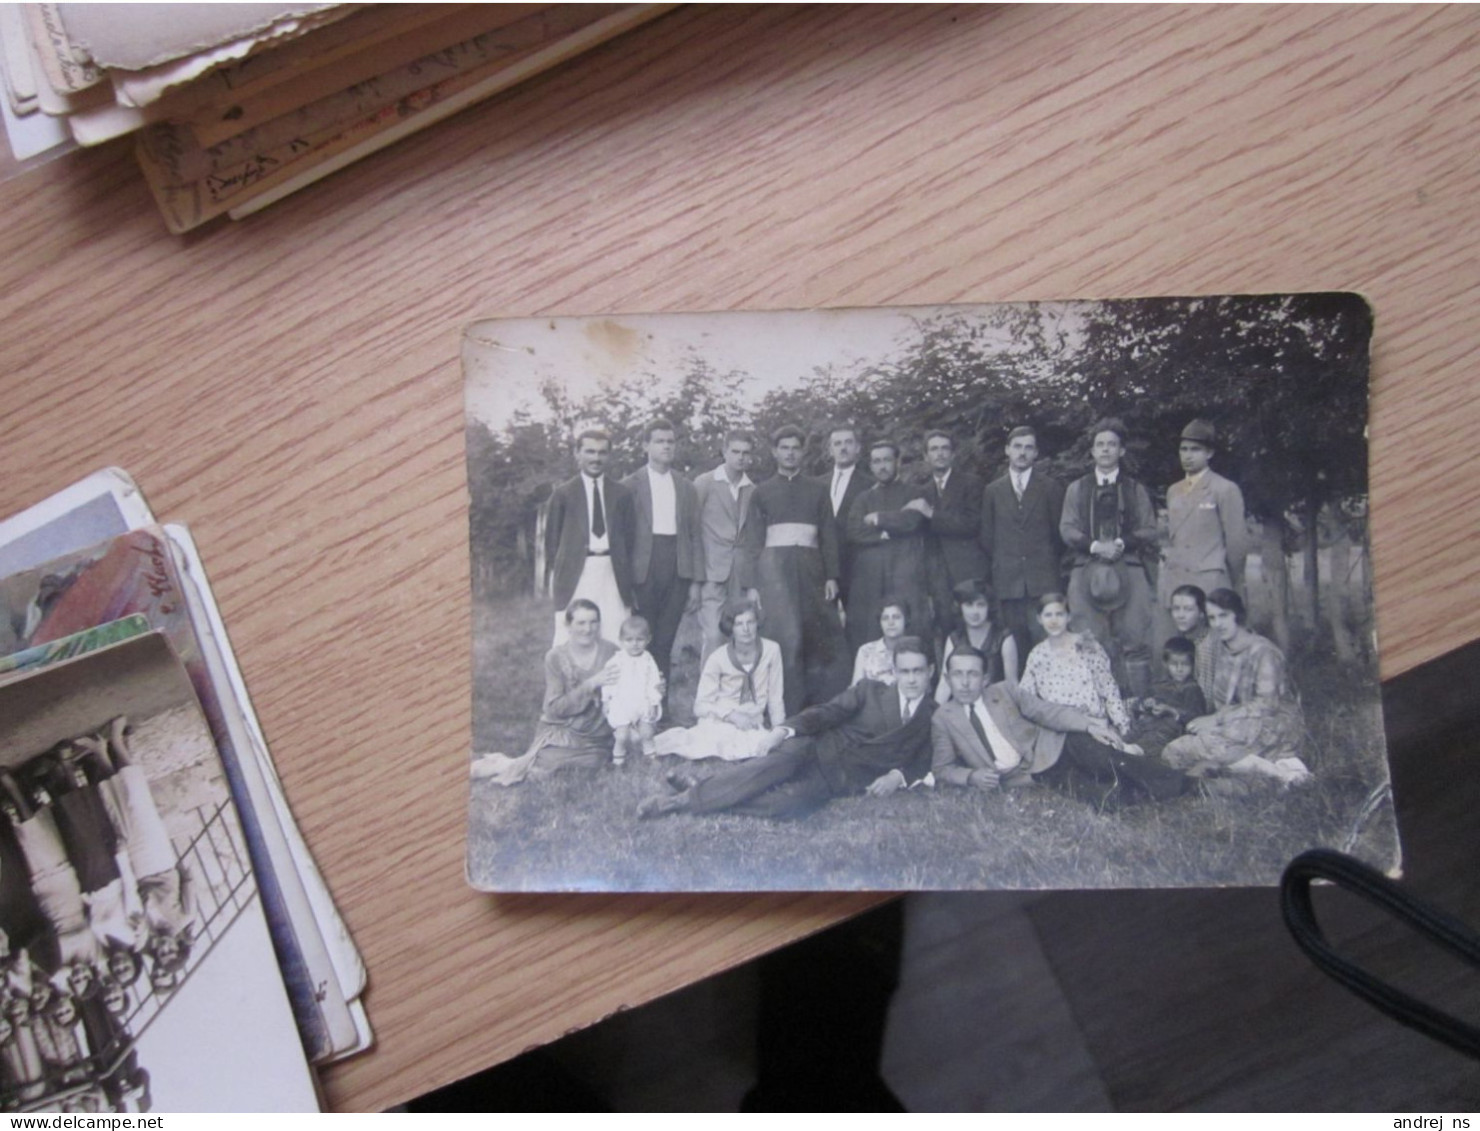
(872,739)
(886,531)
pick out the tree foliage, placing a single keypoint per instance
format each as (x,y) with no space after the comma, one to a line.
(1282,377)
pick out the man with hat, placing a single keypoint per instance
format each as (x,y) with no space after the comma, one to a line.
(1109,526)
(1205,521)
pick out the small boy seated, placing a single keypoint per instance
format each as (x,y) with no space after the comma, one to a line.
(1175,700)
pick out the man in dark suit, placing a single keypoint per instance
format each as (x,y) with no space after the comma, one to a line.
(989,737)
(953,508)
(667,548)
(588,539)
(886,530)
(844,483)
(1020,537)
(872,739)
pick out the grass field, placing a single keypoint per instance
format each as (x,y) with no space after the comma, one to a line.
(579,830)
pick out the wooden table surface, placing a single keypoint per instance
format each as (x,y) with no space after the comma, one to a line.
(289,386)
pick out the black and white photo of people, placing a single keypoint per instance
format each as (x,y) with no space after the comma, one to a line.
(1031,595)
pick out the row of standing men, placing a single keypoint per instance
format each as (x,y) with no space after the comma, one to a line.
(662,545)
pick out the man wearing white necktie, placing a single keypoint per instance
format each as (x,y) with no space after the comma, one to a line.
(872,739)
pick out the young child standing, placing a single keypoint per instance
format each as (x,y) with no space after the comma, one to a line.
(633,704)
(1174,701)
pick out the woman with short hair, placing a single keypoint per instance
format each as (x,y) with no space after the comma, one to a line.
(1256,726)
(740,693)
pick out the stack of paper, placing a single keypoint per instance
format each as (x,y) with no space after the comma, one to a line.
(168,942)
(235,106)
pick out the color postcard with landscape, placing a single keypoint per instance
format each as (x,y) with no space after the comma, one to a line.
(1030,595)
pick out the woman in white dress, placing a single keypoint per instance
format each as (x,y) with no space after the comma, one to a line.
(740,694)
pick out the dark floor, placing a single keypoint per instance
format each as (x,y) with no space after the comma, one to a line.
(1073,1001)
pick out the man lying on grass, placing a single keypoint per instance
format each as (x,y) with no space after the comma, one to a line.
(986,737)
(872,738)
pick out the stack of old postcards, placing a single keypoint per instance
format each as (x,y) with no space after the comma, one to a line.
(167,942)
(234,106)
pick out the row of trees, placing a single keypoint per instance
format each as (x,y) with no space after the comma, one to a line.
(1283,377)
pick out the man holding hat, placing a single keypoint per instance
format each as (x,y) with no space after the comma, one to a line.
(1109,526)
(1205,522)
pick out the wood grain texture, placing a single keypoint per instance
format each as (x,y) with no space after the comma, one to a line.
(289,386)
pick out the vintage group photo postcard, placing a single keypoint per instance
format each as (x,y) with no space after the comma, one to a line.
(1015,596)
(139,972)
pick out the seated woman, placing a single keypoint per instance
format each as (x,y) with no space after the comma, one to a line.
(1189,611)
(875,660)
(980,630)
(740,693)
(572,731)
(1256,726)
(1098,765)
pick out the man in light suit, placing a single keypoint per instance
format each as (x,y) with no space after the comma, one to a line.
(990,737)
(872,739)
(1020,537)
(588,539)
(667,549)
(1205,521)
(724,498)
(953,510)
